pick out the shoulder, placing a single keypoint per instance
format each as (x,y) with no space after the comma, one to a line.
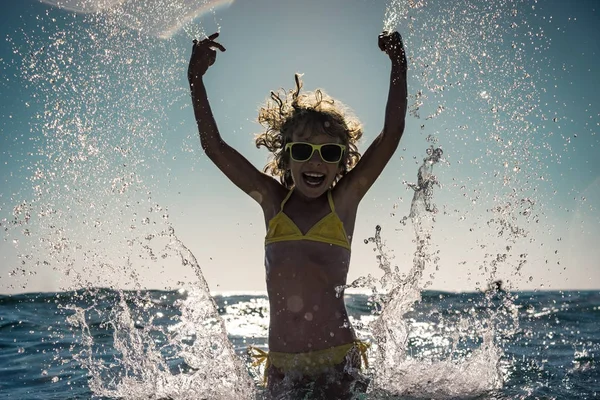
(344,198)
(271,200)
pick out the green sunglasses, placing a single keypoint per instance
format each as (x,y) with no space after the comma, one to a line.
(302,151)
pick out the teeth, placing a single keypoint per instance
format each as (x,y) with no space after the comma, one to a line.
(314,178)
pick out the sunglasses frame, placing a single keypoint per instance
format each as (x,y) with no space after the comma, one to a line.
(316,147)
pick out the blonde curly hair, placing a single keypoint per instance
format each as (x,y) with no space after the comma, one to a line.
(316,111)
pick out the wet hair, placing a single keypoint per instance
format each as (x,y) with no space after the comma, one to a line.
(284,112)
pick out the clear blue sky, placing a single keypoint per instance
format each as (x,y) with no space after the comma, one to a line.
(99,144)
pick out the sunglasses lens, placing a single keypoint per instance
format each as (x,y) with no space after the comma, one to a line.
(331,153)
(301,151)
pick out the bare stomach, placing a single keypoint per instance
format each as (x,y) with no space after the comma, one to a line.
(309,330)
(305,311)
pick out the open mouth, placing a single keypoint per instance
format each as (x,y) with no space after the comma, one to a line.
(313,178)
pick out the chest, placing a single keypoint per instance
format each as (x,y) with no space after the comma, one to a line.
(299,262)
(307,216)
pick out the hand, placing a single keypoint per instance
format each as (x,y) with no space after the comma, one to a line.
(391,44)
(203,56)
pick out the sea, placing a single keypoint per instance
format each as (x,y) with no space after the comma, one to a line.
(103,343)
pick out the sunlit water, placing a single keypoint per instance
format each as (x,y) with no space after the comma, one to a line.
(554,354)
(185,345)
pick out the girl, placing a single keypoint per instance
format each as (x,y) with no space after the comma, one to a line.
(309,217)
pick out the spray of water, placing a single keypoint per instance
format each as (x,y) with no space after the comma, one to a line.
(93,211)
(88,200)
(399,373)
(188,359)
(153,18)
(466,59)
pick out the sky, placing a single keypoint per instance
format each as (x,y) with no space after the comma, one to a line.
(103,181)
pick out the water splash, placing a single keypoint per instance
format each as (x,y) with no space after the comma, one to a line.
(397,372)
(154,18)
(185,359)
(474,64)
(458,55)
(98,159)
(396,12)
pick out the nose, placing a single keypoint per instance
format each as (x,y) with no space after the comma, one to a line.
(316,158)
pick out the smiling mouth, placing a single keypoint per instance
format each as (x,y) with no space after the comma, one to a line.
(313,178)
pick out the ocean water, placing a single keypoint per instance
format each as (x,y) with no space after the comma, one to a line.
(547,343)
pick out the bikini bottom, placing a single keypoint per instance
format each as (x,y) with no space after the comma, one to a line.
(333,373)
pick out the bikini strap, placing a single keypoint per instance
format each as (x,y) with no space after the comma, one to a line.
(330,198)
(287,197)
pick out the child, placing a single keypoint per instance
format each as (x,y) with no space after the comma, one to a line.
(309,218)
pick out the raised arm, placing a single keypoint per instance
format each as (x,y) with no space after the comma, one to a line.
(235,166)
(358,181)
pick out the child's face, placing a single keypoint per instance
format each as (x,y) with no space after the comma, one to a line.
(314,176)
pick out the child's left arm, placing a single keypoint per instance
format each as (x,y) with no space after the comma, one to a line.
(395,110)
(359,180)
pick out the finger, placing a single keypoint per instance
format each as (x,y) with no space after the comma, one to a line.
(381,42)
(398,37)
(209,43)
(216,46)
(210,38)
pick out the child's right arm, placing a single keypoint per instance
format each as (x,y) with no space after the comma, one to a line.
(235,166)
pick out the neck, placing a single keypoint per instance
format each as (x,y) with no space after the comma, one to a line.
(305,199)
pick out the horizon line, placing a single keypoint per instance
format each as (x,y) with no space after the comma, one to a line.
(230,293)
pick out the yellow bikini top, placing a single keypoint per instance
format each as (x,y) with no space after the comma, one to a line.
(328,229)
